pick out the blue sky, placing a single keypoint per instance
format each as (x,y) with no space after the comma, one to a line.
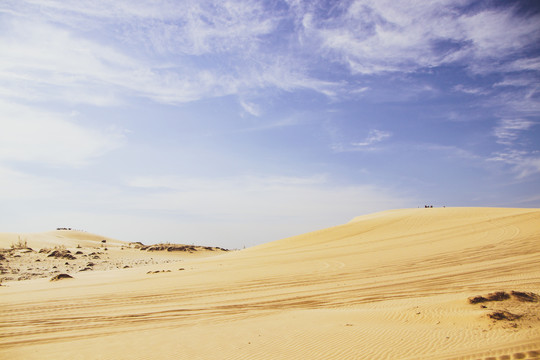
(234,123)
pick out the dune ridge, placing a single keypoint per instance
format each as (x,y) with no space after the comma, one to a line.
(391,285)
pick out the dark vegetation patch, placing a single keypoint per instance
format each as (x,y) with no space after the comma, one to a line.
(496,296)
(158,271)
(525,296)
(61,254)
(177,247)
(504,315)
(502,295)
(60,277)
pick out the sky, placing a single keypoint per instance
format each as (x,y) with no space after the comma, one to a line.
(236,122)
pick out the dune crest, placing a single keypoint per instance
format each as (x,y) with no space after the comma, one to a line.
(391,285)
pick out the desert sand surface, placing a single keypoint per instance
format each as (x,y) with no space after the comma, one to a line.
(44,255)
(440,283)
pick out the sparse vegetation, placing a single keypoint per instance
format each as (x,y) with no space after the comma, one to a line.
(20,244)
(502,295)
(178,247)
(525,296)
(63,254)
(504,315)
(496,296)
(60,277)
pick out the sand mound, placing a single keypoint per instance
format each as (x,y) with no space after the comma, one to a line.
(392,285)
(57,238)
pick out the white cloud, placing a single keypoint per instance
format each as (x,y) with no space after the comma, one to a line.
(41,62)
(250,108)
(524,163)
(508,130)
(517,81)
(373,137)
(385,36)
(470,90)
(170,53)
(39,136)
(57,50)
(192,27)
(532,64)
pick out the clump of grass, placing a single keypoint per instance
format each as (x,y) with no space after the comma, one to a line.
(525,296)
(497,296)
(20,244)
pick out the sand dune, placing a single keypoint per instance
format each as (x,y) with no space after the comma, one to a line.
(391,285)
(66,238)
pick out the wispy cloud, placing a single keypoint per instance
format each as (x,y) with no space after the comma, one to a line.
(470,90)
(508,130)
(56,50)
(523,163)
(520,80)
(250,108)
(48,138)
(42,62)
(385,36)
(374,137)
(47,55)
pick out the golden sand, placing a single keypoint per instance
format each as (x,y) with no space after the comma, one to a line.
(391,285)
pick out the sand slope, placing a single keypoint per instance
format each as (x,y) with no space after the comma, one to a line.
(392,285)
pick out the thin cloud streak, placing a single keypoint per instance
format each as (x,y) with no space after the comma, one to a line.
(374,136)
(508,130)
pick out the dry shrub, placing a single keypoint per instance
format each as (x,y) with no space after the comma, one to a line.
(496,296)
(60,277)
(525,296)
(504,315)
